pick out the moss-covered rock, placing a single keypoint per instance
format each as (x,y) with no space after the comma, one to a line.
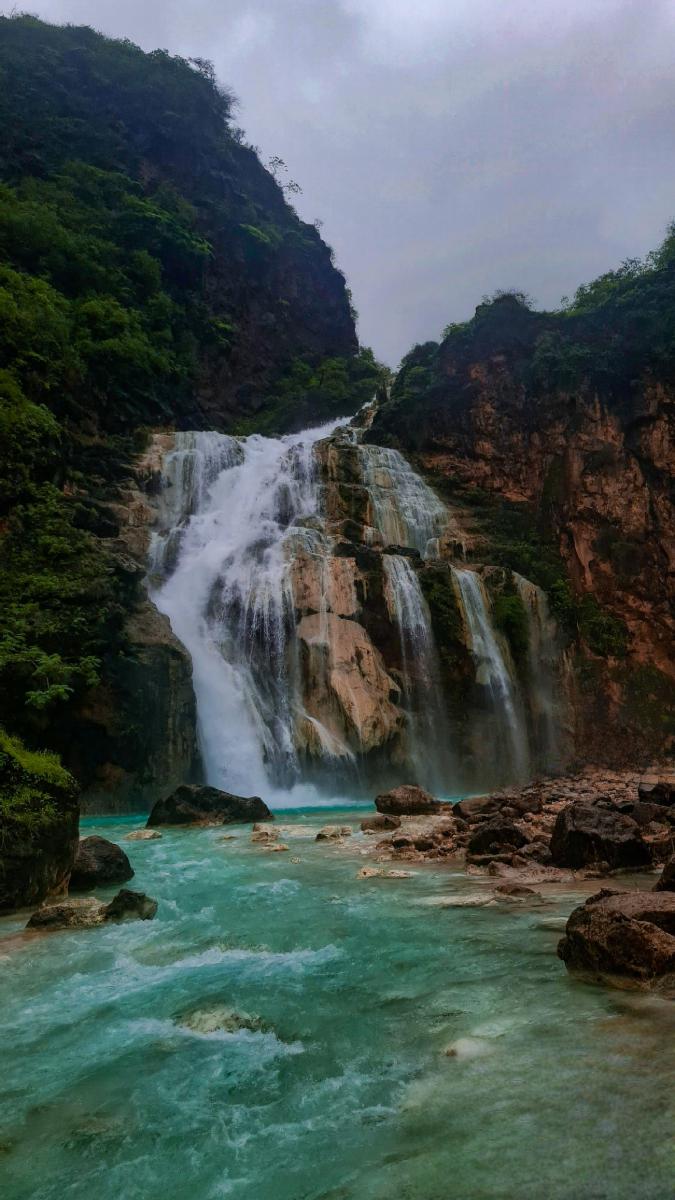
(39,816)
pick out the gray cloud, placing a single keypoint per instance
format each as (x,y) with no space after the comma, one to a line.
(450,146)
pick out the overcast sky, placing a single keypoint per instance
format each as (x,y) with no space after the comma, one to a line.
(450,147)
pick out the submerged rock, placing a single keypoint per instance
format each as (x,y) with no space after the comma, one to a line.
(99,862)
(623,935)
(142,835)
(194,804)
(588,834)
(407,800)
(218,1019)
(88,912)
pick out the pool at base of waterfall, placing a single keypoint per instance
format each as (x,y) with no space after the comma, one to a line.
(284,1030)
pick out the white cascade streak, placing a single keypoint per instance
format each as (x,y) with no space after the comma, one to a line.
(429,735)
(492,672)
(230,507)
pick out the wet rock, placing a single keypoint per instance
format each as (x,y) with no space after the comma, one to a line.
(379,822)
(142,835)
(368,873)
(587,834)
(496,837)
(622,935)
(262,834)
(99,862)
(279,848)
(331,833)
(69,914)
(659,789)
(475,807)
(193,804)
(666,883)
(219,1019)
(407,800)
(515,889)
(89,912)
(131,906)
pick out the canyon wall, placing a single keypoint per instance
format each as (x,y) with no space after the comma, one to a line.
(573,482)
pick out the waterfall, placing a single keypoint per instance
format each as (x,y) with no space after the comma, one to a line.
(428,733)
(511,744)
(312,664)
(232,506)
(544,659)
(406,511)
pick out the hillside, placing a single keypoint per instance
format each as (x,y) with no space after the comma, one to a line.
(152,273)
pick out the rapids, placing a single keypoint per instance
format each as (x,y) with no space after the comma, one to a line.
(119,1081)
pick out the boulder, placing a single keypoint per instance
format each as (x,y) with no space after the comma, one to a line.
(131,906)
(666,883)
(587,834)
(407,800)
(659,789)
(496,837)
(331,833)
(69,914)
(142,835)
(475,807)
(379,822)
(622,935)
(88,912)
(194,804)
(99,862)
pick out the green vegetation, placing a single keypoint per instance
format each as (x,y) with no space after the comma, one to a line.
(510,618)
(34,787)
(307,394)
(152,272)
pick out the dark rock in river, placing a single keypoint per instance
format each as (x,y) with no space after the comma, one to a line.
(657,789)
(193,804)
(131,906)
(622,934)
(407,800)
(99,862)
(496,836)
(88,912)
(587,834)
(473,808)
(667,881)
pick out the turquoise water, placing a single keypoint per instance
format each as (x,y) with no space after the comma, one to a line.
(341,1090)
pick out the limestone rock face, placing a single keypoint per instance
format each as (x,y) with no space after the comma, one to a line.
(99,862)
(137,734)
(622,934)
(347,688)
(585,834)
(407,800)
(194,804)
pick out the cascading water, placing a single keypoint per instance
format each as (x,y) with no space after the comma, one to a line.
(430,751)
(253,561)
(510,751)
(406,512)
(234,504)
(544,661)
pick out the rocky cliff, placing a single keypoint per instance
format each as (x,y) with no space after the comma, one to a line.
(562,459)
